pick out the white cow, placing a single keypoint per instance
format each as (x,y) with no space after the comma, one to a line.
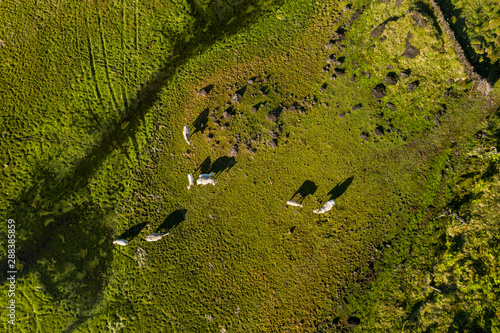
(205,178)
(187,134)
(191,181)
(293,203)
(326,207)
(122,242)
(155,237)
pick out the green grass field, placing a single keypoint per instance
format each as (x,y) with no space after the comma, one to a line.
(362,102)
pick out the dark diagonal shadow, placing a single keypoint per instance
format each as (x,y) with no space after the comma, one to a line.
(200,124)
(224,163)
(340,189)
(65,236)
(172,220)
(307,188)
(204,166)
(133,231)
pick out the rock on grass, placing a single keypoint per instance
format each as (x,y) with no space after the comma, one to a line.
(379,91)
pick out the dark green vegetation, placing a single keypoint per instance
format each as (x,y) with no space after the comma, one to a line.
(362,102)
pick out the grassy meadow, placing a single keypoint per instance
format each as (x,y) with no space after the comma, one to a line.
(362,102)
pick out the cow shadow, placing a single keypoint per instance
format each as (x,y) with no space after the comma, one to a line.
(224,163)
(172,220)
(307,188)
(200,124)
(204,166)
(340,189)
(133,231)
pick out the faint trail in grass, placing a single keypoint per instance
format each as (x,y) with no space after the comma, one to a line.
(106,65)
(41,238)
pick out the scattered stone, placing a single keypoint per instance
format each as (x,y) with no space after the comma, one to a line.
(205,91)
(339,71)
(437,122)
(450,81)
(141,256)
(236,98)
(272,134)
(326,69)
(353,78)
(410,50)
(379,91)
(366,74)
(389,67)
(323,87)
(379,131)
(329,45)
(233,151)
(251,80)
(427,118)
(274,114)
(255,108)
(228,113)
(441,112)
(405,74)
(391,79)
(364,136)
(272,143)
(418,20)
(378,31)
(122,242)
(342,115)
(383,39)
(412,86)
(391,106)
(357,107)
(332,60)
(398,3)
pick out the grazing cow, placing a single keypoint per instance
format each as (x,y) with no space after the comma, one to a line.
(187,133)
(155,237)
(205,178)
(191,181)
(122,242)
(293,203)
(326,207)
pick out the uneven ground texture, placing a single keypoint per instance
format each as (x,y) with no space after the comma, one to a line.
(362,102)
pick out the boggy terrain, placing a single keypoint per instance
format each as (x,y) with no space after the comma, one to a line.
(365,103)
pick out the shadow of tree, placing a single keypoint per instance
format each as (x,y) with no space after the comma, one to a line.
(66,237)
(340,189)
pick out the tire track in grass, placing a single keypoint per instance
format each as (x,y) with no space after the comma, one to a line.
(106,65)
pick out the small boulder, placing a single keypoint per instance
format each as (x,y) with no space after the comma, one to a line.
(391,79)
(379,131)
(410,50)
(364,136)
(412,86)
(379,91)
(272,143)
(357,107)
(390,106)
(233,151)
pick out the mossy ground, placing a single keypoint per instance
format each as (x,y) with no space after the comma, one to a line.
(94,151)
